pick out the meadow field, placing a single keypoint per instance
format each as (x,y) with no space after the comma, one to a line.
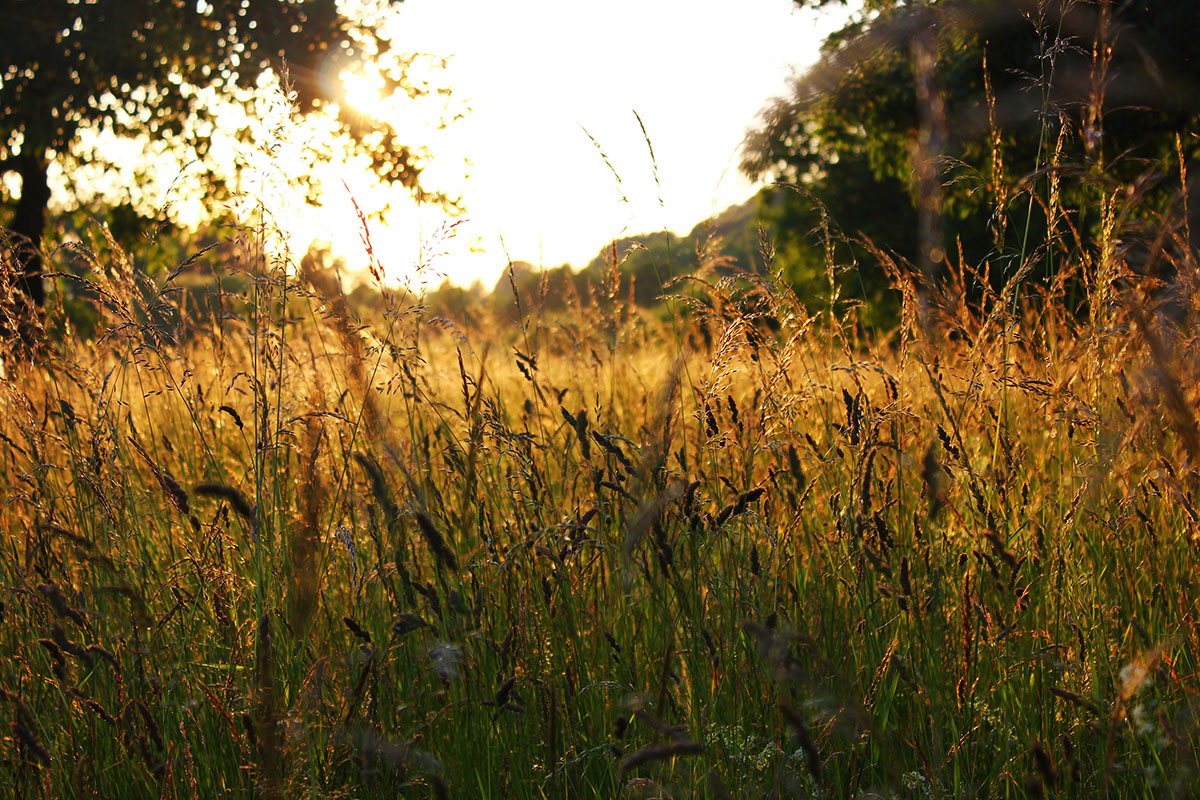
(748,551)
(756,536)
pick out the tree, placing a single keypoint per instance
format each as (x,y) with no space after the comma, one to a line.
(159,69)
(726,244)
(854,131)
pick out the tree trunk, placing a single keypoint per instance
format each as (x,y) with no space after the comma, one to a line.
(29,223)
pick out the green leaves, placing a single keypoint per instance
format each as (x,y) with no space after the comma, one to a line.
(849,134)
(169,71)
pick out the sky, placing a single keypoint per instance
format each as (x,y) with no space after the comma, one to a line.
(551,162)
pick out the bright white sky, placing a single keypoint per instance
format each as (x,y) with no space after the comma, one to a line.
(535,74)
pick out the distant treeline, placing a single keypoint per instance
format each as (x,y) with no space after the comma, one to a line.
(644,269)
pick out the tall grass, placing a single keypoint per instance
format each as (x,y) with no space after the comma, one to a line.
(288,552)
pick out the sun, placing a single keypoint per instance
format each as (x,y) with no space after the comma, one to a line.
(362,92)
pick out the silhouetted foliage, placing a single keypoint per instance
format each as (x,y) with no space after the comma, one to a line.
(159,70)
(848,139)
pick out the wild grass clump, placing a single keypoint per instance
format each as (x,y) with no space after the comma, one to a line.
(283,551)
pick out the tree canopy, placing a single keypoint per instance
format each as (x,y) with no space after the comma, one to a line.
(161,69)
(1020,95)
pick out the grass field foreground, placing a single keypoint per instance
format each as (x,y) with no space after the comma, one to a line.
(290,555)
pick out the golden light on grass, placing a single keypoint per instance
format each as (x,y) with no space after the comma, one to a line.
(262,536)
